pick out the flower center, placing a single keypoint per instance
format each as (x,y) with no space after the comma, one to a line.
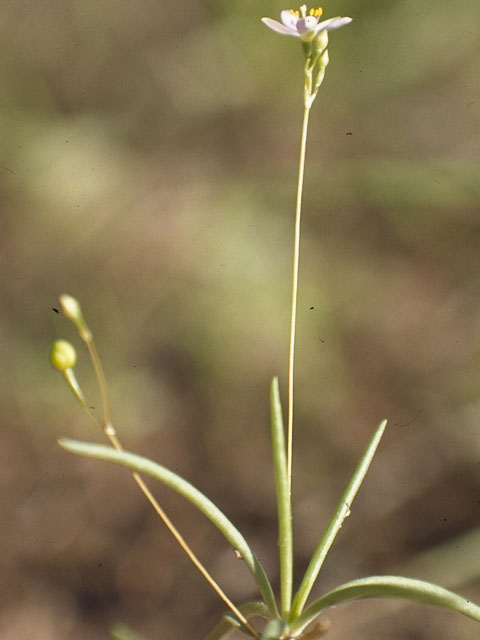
(303,12)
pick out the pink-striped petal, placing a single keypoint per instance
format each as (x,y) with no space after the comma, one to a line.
(280,28)
(289,19)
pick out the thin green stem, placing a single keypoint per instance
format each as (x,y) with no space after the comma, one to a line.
(293,314)
(284,503)
(102,384)
(71,380)
(138,464)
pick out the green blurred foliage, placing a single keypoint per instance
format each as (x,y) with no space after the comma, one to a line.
(149,154)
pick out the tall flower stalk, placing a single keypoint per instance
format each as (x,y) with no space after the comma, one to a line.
(313,33)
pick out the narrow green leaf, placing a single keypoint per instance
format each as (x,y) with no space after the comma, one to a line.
(229,623)
(335,524)
(284,504)
(192,494)
(388,587)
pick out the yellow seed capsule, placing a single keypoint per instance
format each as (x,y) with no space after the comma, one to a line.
(62,355)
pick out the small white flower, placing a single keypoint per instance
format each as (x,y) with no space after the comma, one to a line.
(304,24)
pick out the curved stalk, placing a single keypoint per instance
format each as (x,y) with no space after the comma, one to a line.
(72,310)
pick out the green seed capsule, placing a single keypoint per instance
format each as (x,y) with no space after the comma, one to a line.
(62,355)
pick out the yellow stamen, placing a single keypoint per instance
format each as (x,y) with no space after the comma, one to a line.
(316,13)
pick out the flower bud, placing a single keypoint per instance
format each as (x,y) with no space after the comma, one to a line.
(62,355)
(70,307)
(320,42)
(324,60)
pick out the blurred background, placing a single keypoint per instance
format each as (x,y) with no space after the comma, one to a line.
(148,167)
